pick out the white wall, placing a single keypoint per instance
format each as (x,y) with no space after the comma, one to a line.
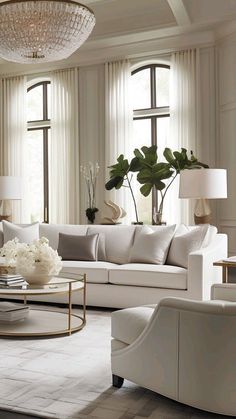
(226,139)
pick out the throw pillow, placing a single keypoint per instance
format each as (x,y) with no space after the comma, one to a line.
(73,247)
(101,246)
(185,242)
(25,234)
(151,246)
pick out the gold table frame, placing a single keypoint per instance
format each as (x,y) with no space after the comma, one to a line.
(225,265)
(53,289)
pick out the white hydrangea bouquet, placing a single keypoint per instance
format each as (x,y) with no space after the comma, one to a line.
(36,261)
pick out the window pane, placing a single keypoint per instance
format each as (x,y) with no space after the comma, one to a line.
(163,125)
(141,133)
(140,89)
(35,104)
(49,100)
(35,168)
(162,86)
(141,137)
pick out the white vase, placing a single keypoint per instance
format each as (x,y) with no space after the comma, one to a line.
(38,276)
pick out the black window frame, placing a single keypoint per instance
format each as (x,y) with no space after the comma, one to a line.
(161,112)
(45,130)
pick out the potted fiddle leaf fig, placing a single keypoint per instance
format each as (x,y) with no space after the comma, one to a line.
(151,173)
(161,175)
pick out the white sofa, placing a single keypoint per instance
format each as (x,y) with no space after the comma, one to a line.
(114,282)
(181,349)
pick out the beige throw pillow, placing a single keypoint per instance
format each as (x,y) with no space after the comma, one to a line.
(151,246)
(187,241)
(73,247)
(26,233)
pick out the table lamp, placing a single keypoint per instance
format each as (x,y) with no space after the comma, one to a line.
(203,184)
(10,189)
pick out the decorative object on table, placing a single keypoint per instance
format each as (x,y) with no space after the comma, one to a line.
(151,173)
(203,185)
(36,262)
(90,174)
(10,312)
(43,31)
(11,281)
(117,213)
(10,189)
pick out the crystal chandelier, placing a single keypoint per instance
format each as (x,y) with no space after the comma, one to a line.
(42,31)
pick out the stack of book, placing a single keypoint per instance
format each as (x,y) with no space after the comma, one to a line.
(11,281)
(11,312)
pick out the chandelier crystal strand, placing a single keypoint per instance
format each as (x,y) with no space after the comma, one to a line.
(43,31)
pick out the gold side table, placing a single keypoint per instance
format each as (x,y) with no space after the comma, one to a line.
(46,321)
(225,266)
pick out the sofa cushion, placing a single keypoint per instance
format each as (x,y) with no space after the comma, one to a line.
(51,231)
(128,324)
(97,272)
(25,233)
(186,241)
(118,241)
(73,247)
(151,246)
(145,275)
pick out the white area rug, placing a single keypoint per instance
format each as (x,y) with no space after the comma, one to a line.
(69,377)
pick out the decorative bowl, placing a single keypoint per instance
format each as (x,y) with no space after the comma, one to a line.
(38,279)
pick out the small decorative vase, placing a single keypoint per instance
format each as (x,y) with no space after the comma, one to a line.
(91,213)
(157,218)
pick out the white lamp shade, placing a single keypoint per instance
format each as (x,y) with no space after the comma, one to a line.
(203,183)
(10,187)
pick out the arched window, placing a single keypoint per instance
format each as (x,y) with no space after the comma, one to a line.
(38,137)
(150,96)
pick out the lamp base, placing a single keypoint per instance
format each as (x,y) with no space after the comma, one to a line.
(202,212)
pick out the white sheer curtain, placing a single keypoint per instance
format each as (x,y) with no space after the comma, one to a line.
(184,122)
(13,131)
(64,148)
(118,124)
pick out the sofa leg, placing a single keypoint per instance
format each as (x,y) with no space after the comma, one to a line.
(117,381)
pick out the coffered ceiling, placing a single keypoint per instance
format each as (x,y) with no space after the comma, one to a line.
(129,27)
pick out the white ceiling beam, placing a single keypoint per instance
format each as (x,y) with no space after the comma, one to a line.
(180,12)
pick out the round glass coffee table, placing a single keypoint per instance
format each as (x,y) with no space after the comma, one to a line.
(47,321)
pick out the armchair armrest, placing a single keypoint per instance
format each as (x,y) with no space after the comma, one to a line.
(201,272)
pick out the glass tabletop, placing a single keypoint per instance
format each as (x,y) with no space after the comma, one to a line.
(58,284)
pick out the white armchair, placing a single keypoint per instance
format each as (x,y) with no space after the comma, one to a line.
(182,349)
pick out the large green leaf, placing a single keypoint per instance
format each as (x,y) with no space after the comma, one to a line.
(114,182)
(146,189)
(135,165)
(150,154)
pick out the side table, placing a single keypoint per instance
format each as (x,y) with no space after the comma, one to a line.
(225,266)
(225,292)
